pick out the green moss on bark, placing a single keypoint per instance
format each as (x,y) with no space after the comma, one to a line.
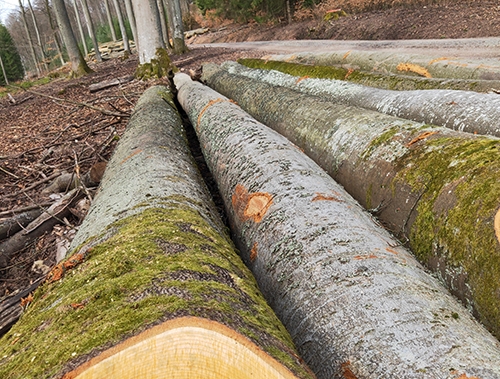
(460,195)
(159,67)
(158,265)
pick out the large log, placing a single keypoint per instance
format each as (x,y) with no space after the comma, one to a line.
(154,288)
(466,111)
(356,304)
(436,187)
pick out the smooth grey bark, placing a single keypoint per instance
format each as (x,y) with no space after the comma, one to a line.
(357,304)
(54,32)
(3,71)
(90,28)
(434,187)
(78,65)
(396,63)
(80,28)
(131,19)
(110,20)
(43,54)
(151,250)
(174,9)
(149,37)
(163,22)
(123,31)
(465,111)
(28,36)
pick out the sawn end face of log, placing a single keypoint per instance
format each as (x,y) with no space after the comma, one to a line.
(434,187)
(154,287)
(356,303)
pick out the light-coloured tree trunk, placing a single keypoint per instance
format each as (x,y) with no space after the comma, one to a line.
(174,9)
(357,304)
(154,287)
(54,32)
(110,20)
(153,57)
(131,19)
(3,71)
(80,27)
(28,36)
(43,54)
(90,27)
(123,31)
(163,22)
(78,65)
(434,187)
(465,111)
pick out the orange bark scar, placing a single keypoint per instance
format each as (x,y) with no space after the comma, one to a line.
(438,60)
(58,271)
(360,257)
(497,225)
(250,205)
(301,79)
(411,67)
(346,54)
(135,152)
(253,252)
(209,104)
(420,138)
(320,197)
(391,251)
(348,73)
(464,376)
(347,373)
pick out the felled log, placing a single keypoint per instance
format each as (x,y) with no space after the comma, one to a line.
(36,228)
(436,187)
(356,304)
(110,83)
(68,181)
(466,111)
(154,287)
(11,225)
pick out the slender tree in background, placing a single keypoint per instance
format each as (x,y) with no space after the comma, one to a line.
(54,31)
(28,36)
(179,45)
(41,46)
(12,67)
(90,28)
(131,19)
(80,27)
(123,31)
(110,20)
(78,65)
(163,21)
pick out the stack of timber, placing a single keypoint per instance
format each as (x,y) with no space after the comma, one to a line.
(466,111)
(356,303)
(154,287)
(433,186)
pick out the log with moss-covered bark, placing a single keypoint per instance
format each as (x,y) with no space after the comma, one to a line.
(356,304)
(466,111)
(435,187)
(154,287)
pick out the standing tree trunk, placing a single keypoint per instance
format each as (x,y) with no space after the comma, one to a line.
(43,54)
(54,32)
(154,280)
(110,21)
(357,304)
(153,56)
(179,45)
(123,31)
(90,27)
(78,65)
(80,27)
(3,71)
(131,19)
(28,36)
(163,22)
(434,187)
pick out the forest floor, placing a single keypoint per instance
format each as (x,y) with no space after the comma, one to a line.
(62,126)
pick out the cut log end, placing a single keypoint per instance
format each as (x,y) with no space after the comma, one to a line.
(187,347)
(497,225)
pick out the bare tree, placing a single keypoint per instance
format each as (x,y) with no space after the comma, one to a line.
(39,39)
(80,27)
(174,9)
(54,32)
(123,31)
(30,42)
(90,27)
(110,20)
(131,19)
(78,65)
(163,21)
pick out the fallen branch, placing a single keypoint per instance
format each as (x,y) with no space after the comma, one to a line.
(14,224)
(110,83)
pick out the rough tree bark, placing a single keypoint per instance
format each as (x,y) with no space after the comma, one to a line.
(90,28)
(384,62)
(374,79)
(154,287)
(357,304)
(465,111)
(78,65)
(436,187)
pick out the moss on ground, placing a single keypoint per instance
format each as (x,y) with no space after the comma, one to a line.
(458,179)
(160,264)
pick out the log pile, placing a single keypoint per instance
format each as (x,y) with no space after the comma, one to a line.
(357,304)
